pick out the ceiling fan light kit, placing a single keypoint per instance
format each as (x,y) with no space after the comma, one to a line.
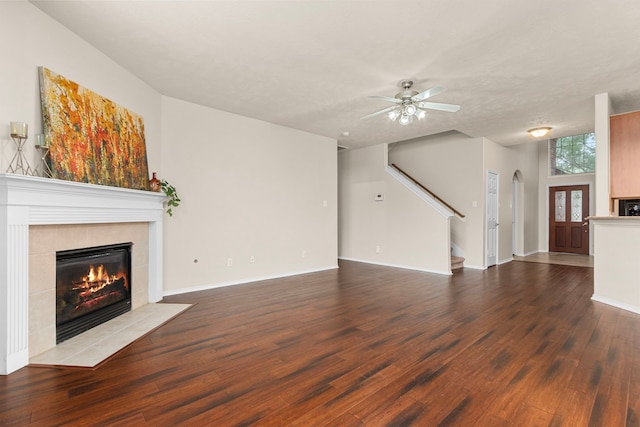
(409,110)
(405,120)
(410,104)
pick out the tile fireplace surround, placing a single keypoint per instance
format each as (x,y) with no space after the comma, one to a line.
(27,201)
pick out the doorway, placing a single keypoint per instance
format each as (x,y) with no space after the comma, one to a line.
(517,213)
(492,218)
(568,223)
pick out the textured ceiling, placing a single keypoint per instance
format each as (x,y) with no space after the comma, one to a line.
(311,64)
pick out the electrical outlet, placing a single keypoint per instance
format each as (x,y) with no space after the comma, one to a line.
(252,259)
(377,249)
(304,254)
(229,262)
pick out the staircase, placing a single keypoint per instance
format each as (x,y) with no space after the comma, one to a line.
(456,263)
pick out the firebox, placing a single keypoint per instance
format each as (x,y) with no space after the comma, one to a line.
(93,285)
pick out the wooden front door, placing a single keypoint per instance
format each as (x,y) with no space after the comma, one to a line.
(568,226)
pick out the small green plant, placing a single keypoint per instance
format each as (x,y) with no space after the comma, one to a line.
(173,200)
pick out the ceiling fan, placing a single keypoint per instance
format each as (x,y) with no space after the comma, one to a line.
(409,104)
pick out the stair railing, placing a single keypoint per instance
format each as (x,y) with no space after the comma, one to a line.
(425,189)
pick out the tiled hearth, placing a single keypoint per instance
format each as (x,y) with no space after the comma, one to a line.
(92,347)
(64,212)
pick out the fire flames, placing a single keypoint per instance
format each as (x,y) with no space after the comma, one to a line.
(88,285)
(96,280)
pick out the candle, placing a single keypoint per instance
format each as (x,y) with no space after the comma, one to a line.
(41,141)
(18,130)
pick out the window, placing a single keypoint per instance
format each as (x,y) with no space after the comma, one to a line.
(573,154)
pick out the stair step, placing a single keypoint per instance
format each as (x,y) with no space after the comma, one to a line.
(456,263)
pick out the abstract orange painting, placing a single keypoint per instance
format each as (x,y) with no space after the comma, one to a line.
(91,139)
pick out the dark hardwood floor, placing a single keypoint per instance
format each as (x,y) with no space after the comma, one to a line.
(520,344)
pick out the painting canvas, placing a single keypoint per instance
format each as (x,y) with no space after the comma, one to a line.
(91,139)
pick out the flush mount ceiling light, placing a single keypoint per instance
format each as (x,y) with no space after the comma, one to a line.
(409,104)
(539,132)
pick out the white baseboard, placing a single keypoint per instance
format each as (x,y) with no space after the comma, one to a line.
(475,267)
(529,253)
(244,281)
(617,304)
(405,267)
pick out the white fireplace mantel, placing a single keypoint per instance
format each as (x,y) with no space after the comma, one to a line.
(27,200)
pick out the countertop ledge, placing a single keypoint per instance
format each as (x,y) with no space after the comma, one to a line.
(614,218)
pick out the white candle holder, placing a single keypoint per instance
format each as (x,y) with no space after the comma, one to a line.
(19,163)
(43,170)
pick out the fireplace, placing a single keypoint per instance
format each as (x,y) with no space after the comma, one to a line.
(40,216)
(93,285)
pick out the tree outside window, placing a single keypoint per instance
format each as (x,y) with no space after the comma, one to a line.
(573,154)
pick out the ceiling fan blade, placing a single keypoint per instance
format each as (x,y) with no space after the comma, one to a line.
(438,106)
(386,110)
(386,98)
(428,93)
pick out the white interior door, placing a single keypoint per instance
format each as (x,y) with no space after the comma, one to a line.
(492,218)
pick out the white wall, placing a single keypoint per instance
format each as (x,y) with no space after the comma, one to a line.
(407,231)
(450,165)
(31,39)
(526,162)
(616,268)
(454,166)
(603,111)
(506,161)
(248,189)
(545,182)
